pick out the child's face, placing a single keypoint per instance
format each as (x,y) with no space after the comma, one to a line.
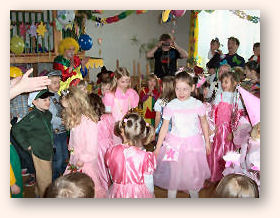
(69,53)
(64,102)
(214,46)
(42,104)
(232,47)
(183,90)
(55,83)
(105,87)
(251,74)
(227,84)
(257,51)
(205,92)
(152,84)
(124,82)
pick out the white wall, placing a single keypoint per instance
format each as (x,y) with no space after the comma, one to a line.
(116,37)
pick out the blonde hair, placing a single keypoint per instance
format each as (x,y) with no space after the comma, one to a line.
(119,73)
(66,44)
(135,129)
(237,186)
(78,105)
(82,83)
(168,90)
(73,185)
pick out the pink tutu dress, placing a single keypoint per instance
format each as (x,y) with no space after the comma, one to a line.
(119,104)
(127,166)
(222,109)
(83,146)
(182,163)
(105,141)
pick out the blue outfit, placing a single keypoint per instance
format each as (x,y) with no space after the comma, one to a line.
(60,137)
(158,107)
(233,60)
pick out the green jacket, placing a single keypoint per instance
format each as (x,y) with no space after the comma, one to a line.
(35,130)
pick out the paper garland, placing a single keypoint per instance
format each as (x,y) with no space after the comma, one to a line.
(115,18)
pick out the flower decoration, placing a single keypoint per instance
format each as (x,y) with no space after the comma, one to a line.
(32,31)
(41,29)
(22,30)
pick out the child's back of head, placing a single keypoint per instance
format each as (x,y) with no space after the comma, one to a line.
(237,186)
(97,104)
(73,185)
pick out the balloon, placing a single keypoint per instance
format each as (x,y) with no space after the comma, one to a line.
(85,42)
(178,13)
(17,45)
(15,72)
(66,17)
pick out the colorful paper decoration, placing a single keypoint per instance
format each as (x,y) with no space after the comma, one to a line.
(22,29)
(41,29)
(32,31)
(112,19)
(95,63)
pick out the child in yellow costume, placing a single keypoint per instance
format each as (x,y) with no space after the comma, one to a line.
(73,69)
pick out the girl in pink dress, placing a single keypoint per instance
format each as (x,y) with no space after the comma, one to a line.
(79,117)
(105,127)
(223,106)
(181,153)
(121,98)
(128,162)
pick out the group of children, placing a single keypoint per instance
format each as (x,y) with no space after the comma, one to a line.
(192,122)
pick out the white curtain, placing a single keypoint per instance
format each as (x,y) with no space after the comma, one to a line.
(224,24)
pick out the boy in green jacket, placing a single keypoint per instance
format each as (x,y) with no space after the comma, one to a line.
(34,133)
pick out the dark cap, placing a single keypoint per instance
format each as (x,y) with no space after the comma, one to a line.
(39,94)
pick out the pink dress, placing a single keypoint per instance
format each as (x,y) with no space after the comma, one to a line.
(105,141)
(210,119)
(127,166)
(222,110)
(182,163)
(119,104)
(83,146)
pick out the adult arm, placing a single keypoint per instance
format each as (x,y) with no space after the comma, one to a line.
(182,52)
(150,54)
(28,84)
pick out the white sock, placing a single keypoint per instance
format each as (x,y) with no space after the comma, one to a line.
(193,194)
(172,193)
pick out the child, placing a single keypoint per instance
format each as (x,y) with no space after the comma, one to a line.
(72,68)
(105,78)
(168,94)
(252,71)
(237,186)
(104,138)
(148,97)
(223,106)
(79,117)
(74,185)
(34,133)
(127,162)
(121,97)
(181,153)
(257,53)
(214,56)
(59,131)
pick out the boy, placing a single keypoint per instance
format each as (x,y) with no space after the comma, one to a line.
(59,132)
(34,134)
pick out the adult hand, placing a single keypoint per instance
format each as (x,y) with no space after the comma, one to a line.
(28,84)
